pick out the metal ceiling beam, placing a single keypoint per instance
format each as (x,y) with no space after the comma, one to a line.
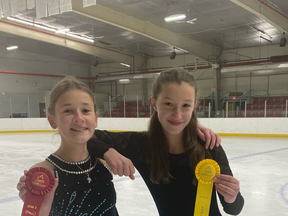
(107,15)
(36,34)
(266,12)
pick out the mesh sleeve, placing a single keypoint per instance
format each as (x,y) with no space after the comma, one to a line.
(129,144)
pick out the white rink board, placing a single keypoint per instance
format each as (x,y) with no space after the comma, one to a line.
(218,125)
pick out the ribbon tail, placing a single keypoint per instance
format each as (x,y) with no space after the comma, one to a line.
(203,199)
(32,205)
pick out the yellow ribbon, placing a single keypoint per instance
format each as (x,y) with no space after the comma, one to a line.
(205,171)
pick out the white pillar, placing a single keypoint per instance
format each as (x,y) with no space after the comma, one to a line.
(11,107)
(265,109)
(227,109)
(110,106)
(28,107)
(245,109)
(286,108)
(137,108)
(124,107)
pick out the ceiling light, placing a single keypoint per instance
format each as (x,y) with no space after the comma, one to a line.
(262,71)
(126,65)
(283,66)
(30,24)
(62,31)
(12,47)
(20,21)
(138,77)
(175,17)
(44,27)
(81,38)
(124,80)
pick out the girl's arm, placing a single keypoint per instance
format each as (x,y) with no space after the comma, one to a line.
(48,199)
(112,146)
(227,186)
(127,143)
(122,148)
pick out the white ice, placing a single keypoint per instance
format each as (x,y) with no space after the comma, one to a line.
(260,164)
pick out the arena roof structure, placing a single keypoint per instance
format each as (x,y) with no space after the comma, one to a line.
(215,33)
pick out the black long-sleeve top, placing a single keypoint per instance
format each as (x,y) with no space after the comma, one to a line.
(178,197)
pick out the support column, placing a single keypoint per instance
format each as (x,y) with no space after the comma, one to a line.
(145,92)
(217,82)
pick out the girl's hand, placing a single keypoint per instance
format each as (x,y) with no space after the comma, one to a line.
(119,164)
(48,199)
(227,186)
(21,186)
(212,139)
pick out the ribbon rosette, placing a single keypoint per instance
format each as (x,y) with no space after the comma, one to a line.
(205,171)
(39,181)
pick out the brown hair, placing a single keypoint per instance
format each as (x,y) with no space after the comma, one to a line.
(66,84)
(157,151)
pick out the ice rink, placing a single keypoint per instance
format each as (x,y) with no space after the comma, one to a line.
(260,164)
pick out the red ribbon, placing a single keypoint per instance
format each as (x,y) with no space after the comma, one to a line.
(39,181)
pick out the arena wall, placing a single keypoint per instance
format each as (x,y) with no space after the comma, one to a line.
(277,127)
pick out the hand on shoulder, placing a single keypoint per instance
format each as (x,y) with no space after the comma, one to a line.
(207,135)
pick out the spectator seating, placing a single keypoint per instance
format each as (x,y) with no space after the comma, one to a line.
(278,113)
(277,100)
(130,110)
(262,100)
(270,113)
